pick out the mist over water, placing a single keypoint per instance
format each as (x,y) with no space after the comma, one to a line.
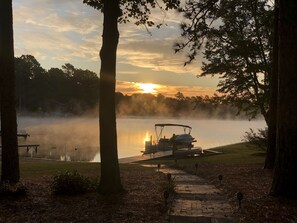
(77,139)
(62,138)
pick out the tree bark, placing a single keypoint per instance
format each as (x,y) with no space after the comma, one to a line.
(285,177)
(273,89)
(110,173)
(10,157)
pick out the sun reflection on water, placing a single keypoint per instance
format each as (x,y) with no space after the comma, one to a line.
(147,138)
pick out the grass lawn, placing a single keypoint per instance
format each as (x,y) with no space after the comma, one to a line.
(37,168)
(240,153)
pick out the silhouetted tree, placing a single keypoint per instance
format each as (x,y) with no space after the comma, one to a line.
(273,88)
(236,40)
(31,83)
(66,90)
(10,158)
(285,178)
(110,174)
(110,181)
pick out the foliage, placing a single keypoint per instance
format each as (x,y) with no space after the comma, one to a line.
(236,40)
(137,10)
(257,138)
(15,190)
(66,90)
(180,106)
(74,91)
(169,186)
(71,183)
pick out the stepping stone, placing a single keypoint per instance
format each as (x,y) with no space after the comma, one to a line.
(198,208)
(196,189)
(183,219)
(197,201)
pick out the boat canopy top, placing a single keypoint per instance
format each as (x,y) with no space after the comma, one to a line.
(187,129)
(168,124)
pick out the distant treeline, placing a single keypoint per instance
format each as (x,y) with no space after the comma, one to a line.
(66,90)
(72,91)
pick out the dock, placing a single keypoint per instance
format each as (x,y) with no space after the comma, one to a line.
(180,153)
(145,157)
(28,147)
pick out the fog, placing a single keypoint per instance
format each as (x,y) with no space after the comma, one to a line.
(77,139)
(62,138)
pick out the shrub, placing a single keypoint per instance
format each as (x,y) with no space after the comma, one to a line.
(257,138)
(71,183)
(170,186)
(169,190)
(15,190)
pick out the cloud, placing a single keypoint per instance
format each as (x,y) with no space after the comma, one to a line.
(57,31)
(68,31)
(57,16)
(155,54)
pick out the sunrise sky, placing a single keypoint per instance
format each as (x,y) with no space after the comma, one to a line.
(67,31)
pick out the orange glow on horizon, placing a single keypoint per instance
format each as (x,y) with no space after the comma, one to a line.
(148,87)
(130,88)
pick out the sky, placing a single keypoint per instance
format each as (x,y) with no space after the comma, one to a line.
(56,32)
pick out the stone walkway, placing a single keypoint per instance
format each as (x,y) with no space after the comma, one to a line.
(197,200)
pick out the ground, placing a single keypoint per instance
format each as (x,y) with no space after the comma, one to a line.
(240,166)
(243,172)
(142,202)
(254,183)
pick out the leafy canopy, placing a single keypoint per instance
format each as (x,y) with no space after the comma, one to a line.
(235,37)
(137,10)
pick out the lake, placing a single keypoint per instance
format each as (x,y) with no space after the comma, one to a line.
(78,138)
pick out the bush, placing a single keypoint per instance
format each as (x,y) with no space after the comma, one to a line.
(71,183)
(15,190)
(169,190)
(257,138)
(170,184)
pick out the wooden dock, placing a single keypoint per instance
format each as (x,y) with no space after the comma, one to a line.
(28,147)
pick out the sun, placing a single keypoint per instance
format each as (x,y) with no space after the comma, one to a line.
(148,87)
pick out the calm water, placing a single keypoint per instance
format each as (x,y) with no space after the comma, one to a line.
(77,138)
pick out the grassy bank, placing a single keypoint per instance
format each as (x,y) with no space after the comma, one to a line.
(240,153)
(38,167)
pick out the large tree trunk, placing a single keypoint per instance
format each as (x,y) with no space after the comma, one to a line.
(110,173)
(273,89)
(285,177)
(10,158)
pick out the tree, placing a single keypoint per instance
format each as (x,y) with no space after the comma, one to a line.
(68,90)
(242,49)
(110,172)
(285,178)
(273,87)
(235,38)
(10,158)
(30,78)
(139,10)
